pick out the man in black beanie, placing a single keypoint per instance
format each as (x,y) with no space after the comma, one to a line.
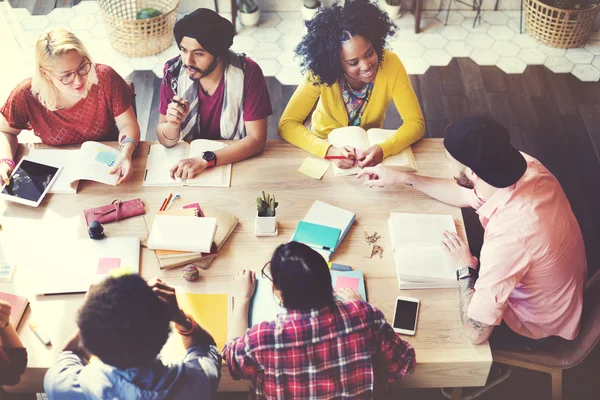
(211,92)
(528,284)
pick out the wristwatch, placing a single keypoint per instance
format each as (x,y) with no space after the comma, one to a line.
(210,157)
(465,271)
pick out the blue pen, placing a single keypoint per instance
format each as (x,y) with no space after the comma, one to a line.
(172,201)
(340,267)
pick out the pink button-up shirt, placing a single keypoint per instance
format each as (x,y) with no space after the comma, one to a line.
(533,265)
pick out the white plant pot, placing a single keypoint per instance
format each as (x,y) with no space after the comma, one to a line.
(309,13)
(393,11)
(250,19)
(264,226)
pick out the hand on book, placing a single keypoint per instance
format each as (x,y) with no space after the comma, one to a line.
(347,151)
(381,176)
(371,156)
(188,168)
(244,284)
(457,250)
(4,314)
(177,110)
(347,294)
(123,166)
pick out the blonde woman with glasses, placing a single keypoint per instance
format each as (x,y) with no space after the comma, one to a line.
(69,100)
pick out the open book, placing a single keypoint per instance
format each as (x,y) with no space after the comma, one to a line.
(358,138)
(93,162)
(161,159)
(418,254)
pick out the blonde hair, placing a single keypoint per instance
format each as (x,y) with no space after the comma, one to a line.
(49,46)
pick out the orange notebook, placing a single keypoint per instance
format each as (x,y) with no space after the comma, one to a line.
(210,311)
(18,306)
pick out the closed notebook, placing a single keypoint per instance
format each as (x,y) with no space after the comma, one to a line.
(210,311)
(328,215)
(317,236)
(171,232)
(18,306)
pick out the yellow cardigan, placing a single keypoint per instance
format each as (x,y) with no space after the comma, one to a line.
(391,83)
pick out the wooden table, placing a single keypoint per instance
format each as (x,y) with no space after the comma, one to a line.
(445,357)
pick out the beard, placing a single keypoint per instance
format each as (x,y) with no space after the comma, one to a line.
(213,65)
(463,181)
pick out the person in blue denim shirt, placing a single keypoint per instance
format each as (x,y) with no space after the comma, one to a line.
(124,323)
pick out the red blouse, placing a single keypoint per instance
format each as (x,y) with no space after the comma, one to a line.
(12,364)
(91,118)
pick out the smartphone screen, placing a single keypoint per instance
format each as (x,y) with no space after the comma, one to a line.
(406,315)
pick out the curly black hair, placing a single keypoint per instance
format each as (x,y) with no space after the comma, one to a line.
(123,322)
(319,48)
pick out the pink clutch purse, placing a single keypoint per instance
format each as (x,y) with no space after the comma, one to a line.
(115,211)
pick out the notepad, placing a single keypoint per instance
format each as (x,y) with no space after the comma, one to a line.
(314,167)
(328,215)
(210,311)
(161,159)
(18,305)
(182,233)
(354,280)
(317,236)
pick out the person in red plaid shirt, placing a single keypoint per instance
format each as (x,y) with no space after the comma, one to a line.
(323,347)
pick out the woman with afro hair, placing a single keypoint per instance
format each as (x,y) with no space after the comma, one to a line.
(351,78)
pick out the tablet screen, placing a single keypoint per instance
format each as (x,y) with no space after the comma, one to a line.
(30,180)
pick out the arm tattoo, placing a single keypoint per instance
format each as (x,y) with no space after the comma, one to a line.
(466,289)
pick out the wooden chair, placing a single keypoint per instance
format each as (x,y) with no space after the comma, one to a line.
(565,355)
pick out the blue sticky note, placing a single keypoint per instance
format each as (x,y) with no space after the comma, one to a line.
(106,158)
(318,236)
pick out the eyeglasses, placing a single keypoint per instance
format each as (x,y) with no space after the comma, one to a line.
(69,78)
(265,274)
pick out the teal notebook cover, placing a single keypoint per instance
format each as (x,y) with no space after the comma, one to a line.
(318,236)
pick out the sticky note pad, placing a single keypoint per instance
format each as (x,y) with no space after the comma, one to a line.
(105,265)
(117,272)
(314,167)
(106,158)
(347,282)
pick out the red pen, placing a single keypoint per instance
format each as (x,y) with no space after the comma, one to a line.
(335,157)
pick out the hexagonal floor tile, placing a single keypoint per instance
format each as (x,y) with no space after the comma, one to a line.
(408,49)
(243,43)
(586,73)
(454,17)
(501,32)
(265,51)
(28,38)
(18,14)
(514,24)
(86,8)
(559,64)
(36,22)
(593,46)
(289,42)
(99,31)
(289,15)
(480,27)
(266,35)
(144,63)
(82,22)
(166,55)
(436,57)
(291,27)
(454,32)
(506,48)
(268,20)
(532,56)
(484,57)
(596,62)
(269,67)
(511,65)
(288,59)
(480,40)
(158,71)
(123,68)
(85,36)
(415,65)
(433,41)
(579,56)
(494,17)
(61,15)
(407,34)
(245,30)
(525,41)
(430,25)
(289,76)
(552,51)
(458,49)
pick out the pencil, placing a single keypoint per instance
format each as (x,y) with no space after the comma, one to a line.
(335,157)
(167,202)
(163,204)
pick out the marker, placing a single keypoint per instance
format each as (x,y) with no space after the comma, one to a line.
(40,335)
(335,157)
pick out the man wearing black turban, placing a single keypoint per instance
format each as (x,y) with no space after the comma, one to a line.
(211,92)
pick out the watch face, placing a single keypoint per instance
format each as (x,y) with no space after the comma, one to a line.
(208,155)
(463,272)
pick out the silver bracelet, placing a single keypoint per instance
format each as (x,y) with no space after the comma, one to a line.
(162,132)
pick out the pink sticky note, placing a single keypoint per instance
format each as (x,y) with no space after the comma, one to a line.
(347,282)
(107,264)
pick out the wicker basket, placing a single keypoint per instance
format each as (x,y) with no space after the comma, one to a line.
(556,27)
(139,38)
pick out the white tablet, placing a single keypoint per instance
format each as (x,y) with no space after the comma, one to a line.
(29,182)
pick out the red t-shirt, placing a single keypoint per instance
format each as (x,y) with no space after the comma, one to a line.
(257,103)
(91,118)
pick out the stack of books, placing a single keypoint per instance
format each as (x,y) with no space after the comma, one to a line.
(420,260)
(324,227)
(181,236)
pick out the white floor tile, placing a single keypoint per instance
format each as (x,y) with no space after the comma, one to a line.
(243,43)
(86,8)
(291,27)
(36,23)
(144,63)
(436,57)
(81,22)
(579,56)
(289,76)
(266,35)
(266,50)
(532,56)
(289,42)
(18,15)
(268,20)
(269,67)
(480,40)
(501,32)
(512,65)
(559,64)
(433,41)
(415,65)
(408,49)
(506,48)
(61,15)
(586,73)
(454,17)
(479,26)
(552,51)
(484,57)
(454,32)
(288,59)
(596,62)
(525,41)
(458,49)
(593,47)
(495,17)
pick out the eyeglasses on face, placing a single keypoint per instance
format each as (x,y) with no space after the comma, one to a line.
(264,273)
(69,78)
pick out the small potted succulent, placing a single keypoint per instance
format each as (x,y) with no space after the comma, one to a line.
(266,219)
(392,7)
(249,12)
(309,8)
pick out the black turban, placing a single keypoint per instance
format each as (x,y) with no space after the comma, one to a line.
(213,32)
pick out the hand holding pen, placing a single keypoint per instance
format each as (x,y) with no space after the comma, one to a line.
(343,157)
(177,110)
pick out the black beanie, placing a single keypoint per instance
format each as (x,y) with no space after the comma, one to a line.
(213,32)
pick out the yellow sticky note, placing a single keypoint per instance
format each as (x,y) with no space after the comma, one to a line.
(314,167)
(210,311)
(117,272)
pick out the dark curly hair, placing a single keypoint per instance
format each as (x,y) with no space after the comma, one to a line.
(319,49)
(123,322)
